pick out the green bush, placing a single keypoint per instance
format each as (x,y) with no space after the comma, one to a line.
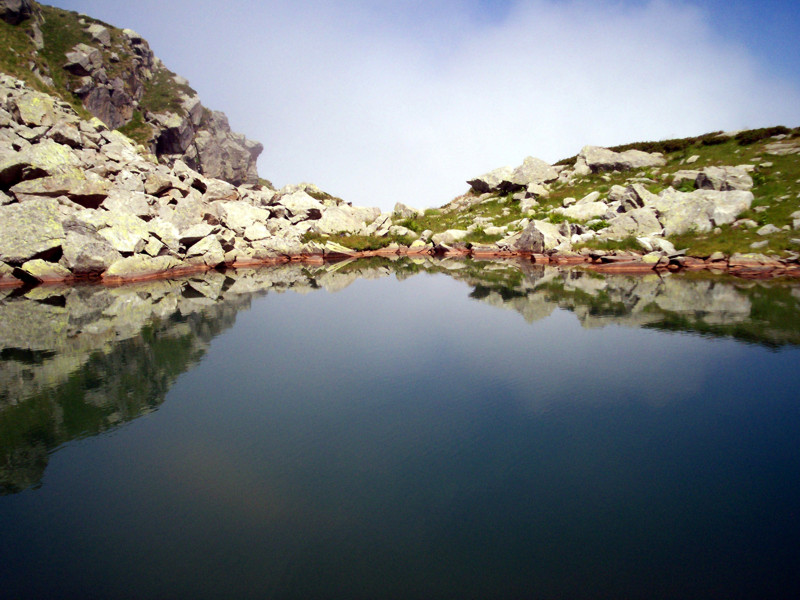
(745,138)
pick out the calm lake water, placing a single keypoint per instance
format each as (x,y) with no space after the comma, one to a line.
(409,430)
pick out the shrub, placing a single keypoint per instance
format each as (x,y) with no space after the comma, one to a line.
(745,138)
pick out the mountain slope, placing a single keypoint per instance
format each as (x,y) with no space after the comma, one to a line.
(112,74)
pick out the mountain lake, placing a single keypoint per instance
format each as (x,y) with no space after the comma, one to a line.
(402,429)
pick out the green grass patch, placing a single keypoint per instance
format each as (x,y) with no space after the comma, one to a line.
(136,129)
(163,94)
(626,244)
(357,242)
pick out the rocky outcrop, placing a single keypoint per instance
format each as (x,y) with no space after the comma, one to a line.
(15,11)
(593,159)
(93,204)
(532,172)
(120,81)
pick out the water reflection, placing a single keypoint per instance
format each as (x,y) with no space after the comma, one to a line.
(78,361)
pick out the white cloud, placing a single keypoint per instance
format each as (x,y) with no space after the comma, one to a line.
(403,101)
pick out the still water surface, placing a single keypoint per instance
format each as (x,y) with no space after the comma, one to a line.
(436,430)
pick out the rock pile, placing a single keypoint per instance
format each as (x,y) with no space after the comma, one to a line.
(707,198)
(79,200)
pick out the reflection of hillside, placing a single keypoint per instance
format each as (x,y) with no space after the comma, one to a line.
(765,312)
(78,361)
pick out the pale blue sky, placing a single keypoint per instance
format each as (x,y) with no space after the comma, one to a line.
(404,100)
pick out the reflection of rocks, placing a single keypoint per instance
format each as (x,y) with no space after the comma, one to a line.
(708,304)
(77,361)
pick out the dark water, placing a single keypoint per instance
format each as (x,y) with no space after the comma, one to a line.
(438,430)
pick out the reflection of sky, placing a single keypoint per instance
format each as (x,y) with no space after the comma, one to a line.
(402,434)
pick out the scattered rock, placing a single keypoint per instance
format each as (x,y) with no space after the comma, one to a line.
(768,229)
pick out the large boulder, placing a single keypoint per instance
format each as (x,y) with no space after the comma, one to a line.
(38,160)
(87,253)
(533,171)
(450,236)
(724,179)
(238,216)
(699,211)
(15,11)
(100,34)
(207,251)
(43,271)
(83,60)
(302,206)
(585,209)
(33,109)
(110,103)
(139,266)
(126,233)
(339,219)
(638,222)
(602,159)
(85,188)
(714,178)
(491,180)
(530,240)
(29,230)
(541,236)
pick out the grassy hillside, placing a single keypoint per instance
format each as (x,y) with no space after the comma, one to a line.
(776,190)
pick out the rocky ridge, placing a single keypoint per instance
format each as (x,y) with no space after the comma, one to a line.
(78,200)
(114,75)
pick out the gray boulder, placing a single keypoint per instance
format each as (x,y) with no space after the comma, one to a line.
(87,253)
(123,201)
(99,34)
(724,179)
(207,251)
(601,159)
(15,12)
(639,222)
(404,212)
(339,219)
(83,187)
(530,240)
(302,206)
(83,60)
(126,233)
(29,229)
(238,216)
(140,266)
(42,270)
(34,110)
(218,152)
(533,171)
(450,236)
(699,211)
(38,160)
(490,181)
(66,133)
(551,236)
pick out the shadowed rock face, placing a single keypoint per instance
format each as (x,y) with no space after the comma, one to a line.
(78,361)
(15,11)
